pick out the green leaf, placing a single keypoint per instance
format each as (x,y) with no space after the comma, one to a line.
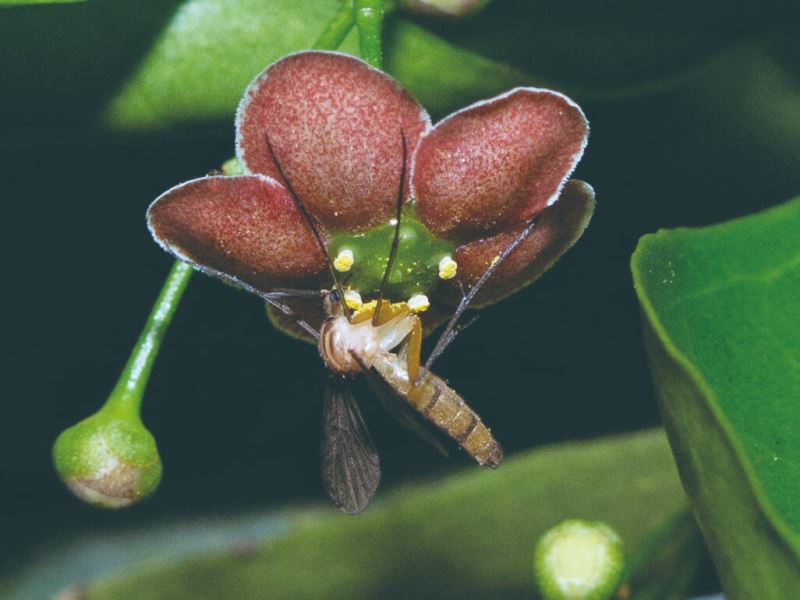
(210,50)
(125,65)
(722,324)
(470,535)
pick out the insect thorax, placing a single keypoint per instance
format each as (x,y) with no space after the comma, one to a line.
(347,347)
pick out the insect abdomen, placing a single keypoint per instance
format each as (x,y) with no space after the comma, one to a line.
(443,406)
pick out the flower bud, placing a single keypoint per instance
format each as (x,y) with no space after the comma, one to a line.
(444,8)
(108,460)
(232,167)
(578,560)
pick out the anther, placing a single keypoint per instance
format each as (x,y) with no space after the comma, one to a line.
(344,260)
(418,303)
(353,299)
(447,268)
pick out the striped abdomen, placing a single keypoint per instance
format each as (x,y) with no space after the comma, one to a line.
(444,407)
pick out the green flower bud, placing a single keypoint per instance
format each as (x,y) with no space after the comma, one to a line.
(109,460)
(578,560)
(232,167)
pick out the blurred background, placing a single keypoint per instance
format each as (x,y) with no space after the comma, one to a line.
(695,116)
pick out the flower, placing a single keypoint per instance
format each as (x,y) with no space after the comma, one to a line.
(339,134)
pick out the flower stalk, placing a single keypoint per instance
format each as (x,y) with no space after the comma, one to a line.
(369,20)
(129,391)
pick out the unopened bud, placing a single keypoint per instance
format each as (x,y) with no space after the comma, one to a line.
(444,8)
(108,460)
(579,560)
(232,167)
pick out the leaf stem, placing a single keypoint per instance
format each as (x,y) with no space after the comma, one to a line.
(338,28)
(127,394)
(369,20)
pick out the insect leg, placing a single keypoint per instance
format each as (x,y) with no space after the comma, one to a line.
(447,335)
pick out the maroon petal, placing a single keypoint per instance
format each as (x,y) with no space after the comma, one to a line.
(557,229)
(497,163)
(336,126)
(246,229)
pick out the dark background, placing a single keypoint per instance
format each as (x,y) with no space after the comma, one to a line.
(235,406)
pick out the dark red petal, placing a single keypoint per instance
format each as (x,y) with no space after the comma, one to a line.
(335,125)
(246,229)
(497,163)
(557,229)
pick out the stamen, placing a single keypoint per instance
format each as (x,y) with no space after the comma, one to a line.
(447,268)
(418,303)
(353,299)
(344,260)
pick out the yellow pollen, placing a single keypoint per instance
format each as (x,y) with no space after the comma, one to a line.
(353,299)
(367,307)
(344,260)
(447,268)
(418,303)
(495,259)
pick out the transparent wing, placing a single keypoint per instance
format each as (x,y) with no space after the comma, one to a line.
(351,468)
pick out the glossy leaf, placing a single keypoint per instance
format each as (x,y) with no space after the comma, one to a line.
(211,49)
(467,536)
(721,308)
(189,61)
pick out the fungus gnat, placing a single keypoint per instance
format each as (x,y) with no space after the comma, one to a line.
(381,340)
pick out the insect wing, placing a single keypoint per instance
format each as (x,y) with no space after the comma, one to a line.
(350,465)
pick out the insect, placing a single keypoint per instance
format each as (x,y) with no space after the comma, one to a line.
(381,340)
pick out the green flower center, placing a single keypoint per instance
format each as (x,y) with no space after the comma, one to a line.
(421,261)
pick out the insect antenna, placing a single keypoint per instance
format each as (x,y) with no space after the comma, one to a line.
(450,332)
(311,223)
(294,293)
(273,299)
(398,211)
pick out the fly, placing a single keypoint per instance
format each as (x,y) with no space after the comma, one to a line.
(381,340)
